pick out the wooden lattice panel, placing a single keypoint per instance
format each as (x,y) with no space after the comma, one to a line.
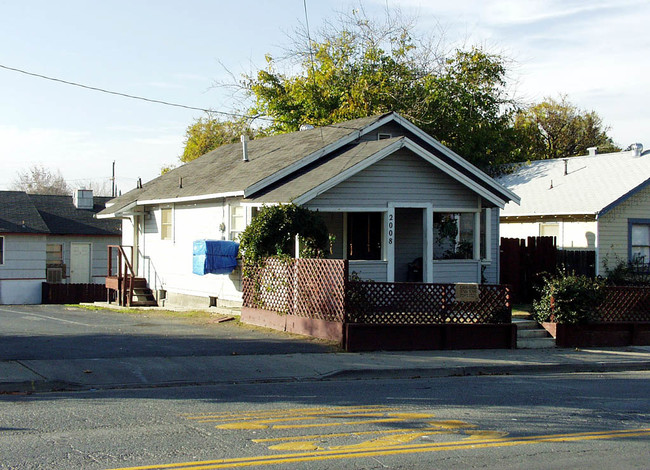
(625,304)
(415,303)
(313,288)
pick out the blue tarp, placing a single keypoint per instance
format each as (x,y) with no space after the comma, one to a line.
(214,257)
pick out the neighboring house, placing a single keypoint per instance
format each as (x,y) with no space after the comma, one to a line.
(598,202)
(51,238)
(388,192)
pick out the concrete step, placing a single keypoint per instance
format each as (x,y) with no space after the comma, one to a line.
(539,333)
(525,324)
(535,343)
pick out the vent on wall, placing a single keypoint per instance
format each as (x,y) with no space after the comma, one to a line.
(54,275)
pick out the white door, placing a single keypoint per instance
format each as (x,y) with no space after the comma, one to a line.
(80,263)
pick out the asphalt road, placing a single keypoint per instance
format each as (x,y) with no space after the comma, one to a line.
(595,421)
(59,332)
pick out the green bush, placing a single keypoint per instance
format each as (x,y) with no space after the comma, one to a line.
(568,298)
(272,232)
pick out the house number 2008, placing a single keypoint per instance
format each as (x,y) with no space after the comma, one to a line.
(391,225)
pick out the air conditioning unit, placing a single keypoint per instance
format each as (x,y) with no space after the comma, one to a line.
(54,275)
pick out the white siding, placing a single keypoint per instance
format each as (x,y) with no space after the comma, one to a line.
(491,268)
(167,264)
(452,271)
(576,235)
(613,229)
(98,253)
(369,270)
(23,269)
(401,177)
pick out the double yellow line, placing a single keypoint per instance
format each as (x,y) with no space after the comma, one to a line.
(394,450)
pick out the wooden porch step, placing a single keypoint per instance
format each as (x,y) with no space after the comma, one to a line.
(143,296)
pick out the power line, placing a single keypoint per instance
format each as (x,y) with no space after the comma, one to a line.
(124,95)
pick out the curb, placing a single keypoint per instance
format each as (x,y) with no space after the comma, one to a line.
(43,386)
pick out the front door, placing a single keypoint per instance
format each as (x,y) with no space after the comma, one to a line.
(80,263)
(409,244)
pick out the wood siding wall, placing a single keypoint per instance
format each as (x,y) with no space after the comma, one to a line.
(98,253)
(23,269)
(613,229)
(369,270)
(401,177)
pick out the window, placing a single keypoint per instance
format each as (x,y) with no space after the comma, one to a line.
(364,235)
(237,221)
(54,269)
(453,235)
(166,224)
(640,245)
(382,136)
(2,250)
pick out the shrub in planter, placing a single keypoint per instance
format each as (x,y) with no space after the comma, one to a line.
(568,298)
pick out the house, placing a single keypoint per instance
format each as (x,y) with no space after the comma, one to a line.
(51,238)
(597,202)
(398,205)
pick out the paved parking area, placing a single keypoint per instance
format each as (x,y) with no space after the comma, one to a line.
(60,332)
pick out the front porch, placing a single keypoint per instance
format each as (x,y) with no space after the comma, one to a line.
(122,284)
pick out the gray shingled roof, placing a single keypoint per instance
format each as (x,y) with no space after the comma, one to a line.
(223,171)
(46,214)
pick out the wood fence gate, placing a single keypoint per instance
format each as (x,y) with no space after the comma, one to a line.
(523,263)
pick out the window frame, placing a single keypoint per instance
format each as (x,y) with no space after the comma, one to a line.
(630,251)
(164,225)
(233,234)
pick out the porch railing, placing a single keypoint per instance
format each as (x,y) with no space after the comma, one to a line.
(122,281)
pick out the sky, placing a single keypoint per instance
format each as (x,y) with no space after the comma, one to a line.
(595,52)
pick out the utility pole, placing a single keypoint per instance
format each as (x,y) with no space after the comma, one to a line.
(113,181)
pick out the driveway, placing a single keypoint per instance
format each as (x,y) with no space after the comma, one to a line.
(30,332)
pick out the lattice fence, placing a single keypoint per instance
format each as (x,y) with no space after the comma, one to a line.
(624,304)
(413,303)
(313,288)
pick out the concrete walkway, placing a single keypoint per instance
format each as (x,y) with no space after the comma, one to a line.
(129,372)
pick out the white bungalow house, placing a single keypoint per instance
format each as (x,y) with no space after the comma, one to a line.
(388,192)
(49,238)
(598,202)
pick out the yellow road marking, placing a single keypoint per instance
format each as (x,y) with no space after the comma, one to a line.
(388,441)
(343,423)
(452,424)
(305,445)
(395,450)
(346,434)
(485,434)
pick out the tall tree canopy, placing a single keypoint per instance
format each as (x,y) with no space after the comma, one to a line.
(39,180)
(361,68)
(559,129)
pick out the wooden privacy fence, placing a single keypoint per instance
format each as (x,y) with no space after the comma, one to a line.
(524,261)
(319,289)
(72,293)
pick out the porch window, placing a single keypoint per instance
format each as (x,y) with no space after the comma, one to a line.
(237,221)
(364,235)
(2,250)
(640,245)
(166,224)
(453,235)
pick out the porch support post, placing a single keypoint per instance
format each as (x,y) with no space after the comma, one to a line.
(427,265)
(389,238)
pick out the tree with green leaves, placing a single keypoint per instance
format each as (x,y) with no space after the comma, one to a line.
(206,134)
(361,67)
(559,129)
(39,180)
(272,232)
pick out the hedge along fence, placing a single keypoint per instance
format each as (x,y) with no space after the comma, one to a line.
(73,293)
